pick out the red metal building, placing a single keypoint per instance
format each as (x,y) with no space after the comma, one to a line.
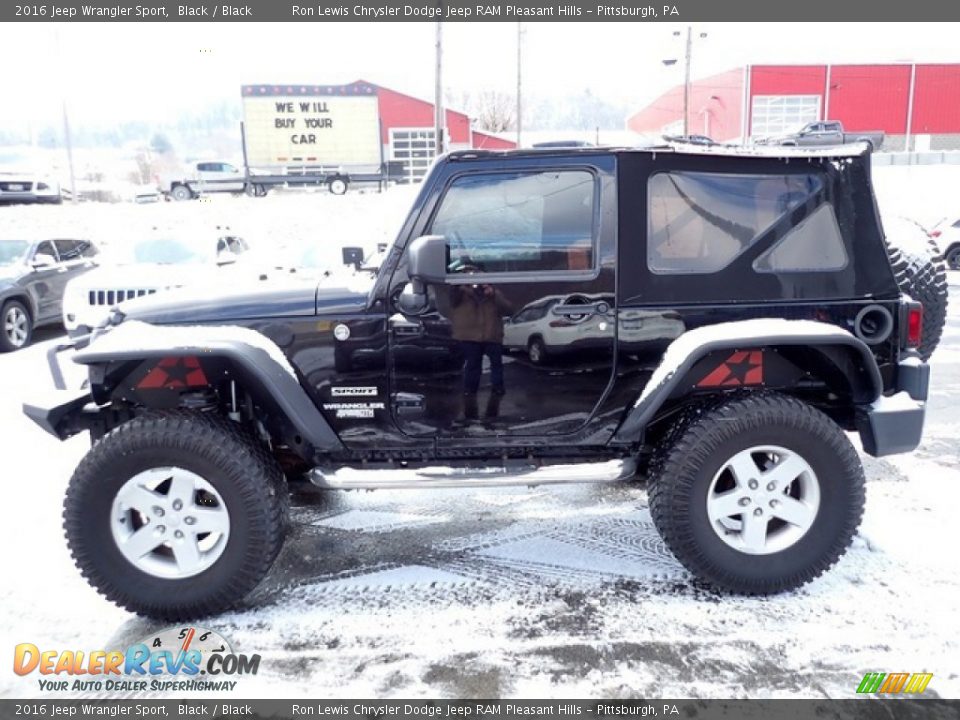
(407,127)
(916,105)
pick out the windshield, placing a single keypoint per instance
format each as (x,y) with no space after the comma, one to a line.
(12,250)
(164,251)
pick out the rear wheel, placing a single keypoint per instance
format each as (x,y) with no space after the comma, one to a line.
(17,327)
(758,495)
(181,192)
(338,185)
(176,515)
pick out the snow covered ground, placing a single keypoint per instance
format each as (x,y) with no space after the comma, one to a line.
(550,592)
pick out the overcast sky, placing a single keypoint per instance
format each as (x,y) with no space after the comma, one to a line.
(123,71)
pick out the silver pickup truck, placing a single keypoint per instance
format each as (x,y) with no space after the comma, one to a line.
(827,132)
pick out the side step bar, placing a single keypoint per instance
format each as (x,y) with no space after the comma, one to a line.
(448,477)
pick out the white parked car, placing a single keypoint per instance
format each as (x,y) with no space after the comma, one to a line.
(150,265)
(947,235)
(541,331)
(21,187)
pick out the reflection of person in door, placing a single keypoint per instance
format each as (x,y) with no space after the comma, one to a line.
(476,317)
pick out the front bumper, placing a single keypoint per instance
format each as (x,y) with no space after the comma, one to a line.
(894,423)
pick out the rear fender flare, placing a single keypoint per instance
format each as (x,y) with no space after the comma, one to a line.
(834,343)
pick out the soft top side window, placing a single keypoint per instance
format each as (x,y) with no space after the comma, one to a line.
(519,222)
(701,222)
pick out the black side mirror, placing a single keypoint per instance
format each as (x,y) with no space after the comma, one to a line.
(427,259)
(352,256)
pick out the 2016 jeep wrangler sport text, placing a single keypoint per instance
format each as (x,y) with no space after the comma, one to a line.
(713,320)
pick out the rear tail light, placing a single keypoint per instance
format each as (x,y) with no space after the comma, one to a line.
(914,324)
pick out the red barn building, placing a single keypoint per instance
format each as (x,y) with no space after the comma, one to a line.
(916,105)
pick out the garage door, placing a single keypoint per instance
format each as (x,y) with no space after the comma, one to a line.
(415,148)
(779,114)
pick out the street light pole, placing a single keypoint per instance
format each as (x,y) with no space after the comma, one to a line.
(686,82)
(519,82)
(438,119)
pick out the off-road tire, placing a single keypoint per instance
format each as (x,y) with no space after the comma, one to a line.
(246,476)
(923,276)
(6,343)
(679,482)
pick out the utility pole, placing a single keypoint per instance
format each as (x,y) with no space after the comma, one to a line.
(687,56)
(66,122)
(519,82)
(438,120)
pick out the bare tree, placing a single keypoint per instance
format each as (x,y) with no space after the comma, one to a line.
(495,111)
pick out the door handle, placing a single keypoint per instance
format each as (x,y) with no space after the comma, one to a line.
(596,308)
(407,403)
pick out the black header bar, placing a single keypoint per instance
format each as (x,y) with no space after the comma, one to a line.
(229,708)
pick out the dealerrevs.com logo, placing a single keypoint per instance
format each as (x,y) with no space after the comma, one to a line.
(179,659)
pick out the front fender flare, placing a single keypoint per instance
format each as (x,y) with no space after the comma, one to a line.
(259,361)
(686,350)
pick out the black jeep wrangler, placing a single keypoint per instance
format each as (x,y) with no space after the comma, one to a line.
(713,320)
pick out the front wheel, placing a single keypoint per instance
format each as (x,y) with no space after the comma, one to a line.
(176,515)
(758,495)
(17,328)
(537,351)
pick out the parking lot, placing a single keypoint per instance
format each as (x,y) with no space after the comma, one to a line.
(511,592)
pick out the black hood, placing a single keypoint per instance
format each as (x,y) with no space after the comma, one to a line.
(187,306)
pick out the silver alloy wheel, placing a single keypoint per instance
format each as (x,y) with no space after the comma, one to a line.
(338,186)
(763,500)
(176,532)
(15,325)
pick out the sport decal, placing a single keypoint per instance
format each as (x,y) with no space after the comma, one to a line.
(174,372)
(744,367)
(346,391)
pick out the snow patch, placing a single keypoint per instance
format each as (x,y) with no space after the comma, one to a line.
(399,577)
(370,520)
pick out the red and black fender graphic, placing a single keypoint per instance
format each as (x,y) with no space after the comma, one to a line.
(743,367)
(174,372)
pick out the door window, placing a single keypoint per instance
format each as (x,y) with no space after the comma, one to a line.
(68,250)
(519,222)
(46,248)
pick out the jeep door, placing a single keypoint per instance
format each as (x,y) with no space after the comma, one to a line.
(530,252)
(47,282)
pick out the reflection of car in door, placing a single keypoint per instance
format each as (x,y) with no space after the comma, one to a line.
(542,332)
(33,276)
